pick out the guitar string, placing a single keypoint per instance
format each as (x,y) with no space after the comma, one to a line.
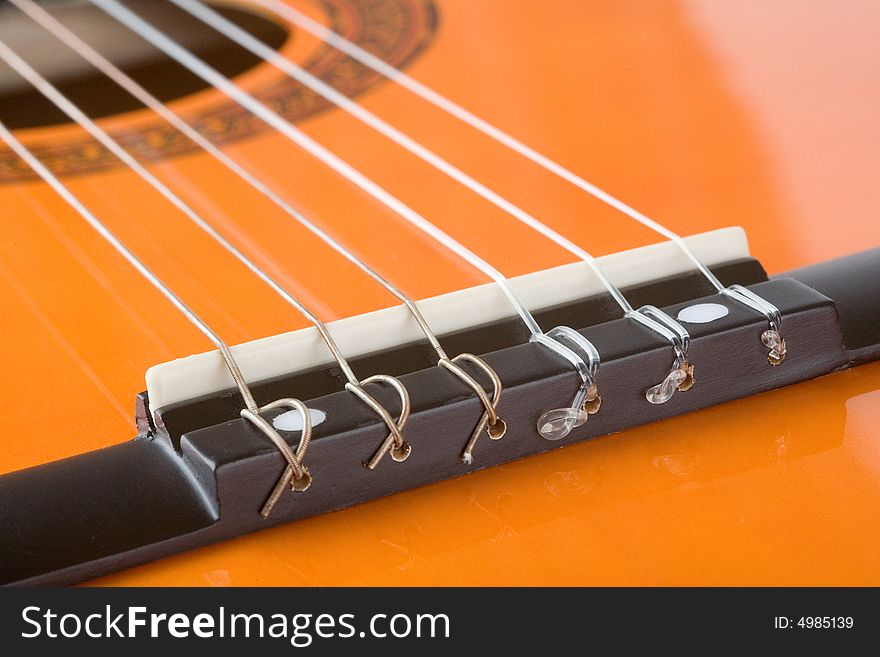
(649,316)
(395,438)
(449,106)
(64,192)
(113,72)
(210,75)
(46,20)
(295,472)
(273,57)
(10,140)
(771,338)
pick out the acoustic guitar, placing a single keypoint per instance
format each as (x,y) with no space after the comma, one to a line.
(319,292)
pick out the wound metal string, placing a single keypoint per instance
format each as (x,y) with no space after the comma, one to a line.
(490,418)
(284,127)
(395,441)
(49,178)
(295,474)
(65,105)
(46,20)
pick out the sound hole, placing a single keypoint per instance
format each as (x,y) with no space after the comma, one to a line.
(23,107)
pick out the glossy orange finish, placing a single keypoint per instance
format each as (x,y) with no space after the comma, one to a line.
(702,114)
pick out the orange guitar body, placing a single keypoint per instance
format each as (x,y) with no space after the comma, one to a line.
(700,114)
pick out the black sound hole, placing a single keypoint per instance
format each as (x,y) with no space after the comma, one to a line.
(23,107)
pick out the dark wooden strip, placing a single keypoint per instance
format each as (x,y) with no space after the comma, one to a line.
(177,419)
(95,507)
(854,283)
(232,467)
